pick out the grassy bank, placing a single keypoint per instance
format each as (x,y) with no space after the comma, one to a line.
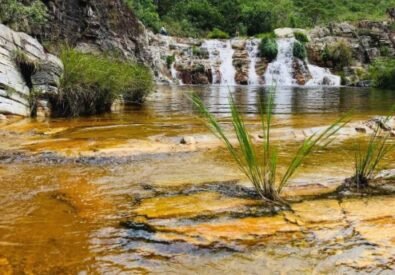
(91,83)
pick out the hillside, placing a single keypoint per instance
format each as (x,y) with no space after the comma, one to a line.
(250,17)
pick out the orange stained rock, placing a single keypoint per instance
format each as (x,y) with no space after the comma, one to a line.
(239,229)
(206,203)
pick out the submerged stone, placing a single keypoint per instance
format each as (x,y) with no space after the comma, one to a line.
(193,205)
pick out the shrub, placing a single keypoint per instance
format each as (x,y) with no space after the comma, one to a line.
(385,51)
(340,53)
(299,50)
(22,17)
(217,34)
(170,59)
(382,72)
(301,37)
(268,48)
(261,170)
(146,12)
(91,83)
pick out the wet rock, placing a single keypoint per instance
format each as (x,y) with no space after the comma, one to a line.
(361,130)
(239,232)
(188,140)
(138,226)
(5,266)
(300,72)
(191,205)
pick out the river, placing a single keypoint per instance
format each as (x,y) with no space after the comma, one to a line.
(119,193)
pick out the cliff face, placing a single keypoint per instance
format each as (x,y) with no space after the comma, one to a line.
(96,25)
(25,71)
(367,41)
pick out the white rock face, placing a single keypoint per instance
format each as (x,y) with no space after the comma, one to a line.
(16,82)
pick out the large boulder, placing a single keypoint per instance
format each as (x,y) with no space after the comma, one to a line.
(26,72)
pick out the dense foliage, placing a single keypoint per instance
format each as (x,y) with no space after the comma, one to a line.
(301,37)
(338,54)
(217,33)
(299,50)
(383,73)
(268,48)
(91,83)
(21,17)
(250,17)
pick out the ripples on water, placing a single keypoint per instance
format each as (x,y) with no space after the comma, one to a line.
(66,218)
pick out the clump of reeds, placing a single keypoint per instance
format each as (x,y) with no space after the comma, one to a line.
(367,160)
(261,171)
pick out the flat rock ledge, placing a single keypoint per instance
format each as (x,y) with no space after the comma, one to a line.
(26,70)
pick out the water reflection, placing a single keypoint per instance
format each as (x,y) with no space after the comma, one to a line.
(288,100)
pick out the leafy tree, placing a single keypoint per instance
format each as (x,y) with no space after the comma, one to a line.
(23,17)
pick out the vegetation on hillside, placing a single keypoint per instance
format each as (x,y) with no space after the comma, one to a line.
(251,17)
(382,72)
(22,17)
(91,83)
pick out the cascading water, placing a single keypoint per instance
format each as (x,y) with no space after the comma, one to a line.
(221,61)
(174,73)
(252,49)
(283,71)
(322,77)
(228,71)
(280,71)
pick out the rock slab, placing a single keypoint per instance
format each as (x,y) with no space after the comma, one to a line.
(26,70)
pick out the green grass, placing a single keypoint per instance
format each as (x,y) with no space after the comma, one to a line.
(367,160)
(301,37)
(217,34)
(268,48)
(91,83)
(260,166)
(299,50)
(382,72)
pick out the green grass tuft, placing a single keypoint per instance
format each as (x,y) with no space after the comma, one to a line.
(261,171)
(367,160)
(91,83)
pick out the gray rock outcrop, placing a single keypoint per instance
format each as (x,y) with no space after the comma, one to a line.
(367,41)
(26,72)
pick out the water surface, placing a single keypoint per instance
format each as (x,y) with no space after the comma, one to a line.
(79,217)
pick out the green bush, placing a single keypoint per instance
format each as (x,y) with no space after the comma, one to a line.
(263,35)
(91,83)
(23,17)
(146,11)
(217,34)
(382,72)
(340,53)
(268,48)
(299,50)
(301,37)
(170,59)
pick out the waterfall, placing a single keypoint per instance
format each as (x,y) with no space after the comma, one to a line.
(252,49)
(280,71)
(228,71)
(219,56)
(174,73)
(221,53)
(322,77)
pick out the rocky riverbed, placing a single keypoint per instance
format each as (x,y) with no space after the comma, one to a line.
(150,190)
